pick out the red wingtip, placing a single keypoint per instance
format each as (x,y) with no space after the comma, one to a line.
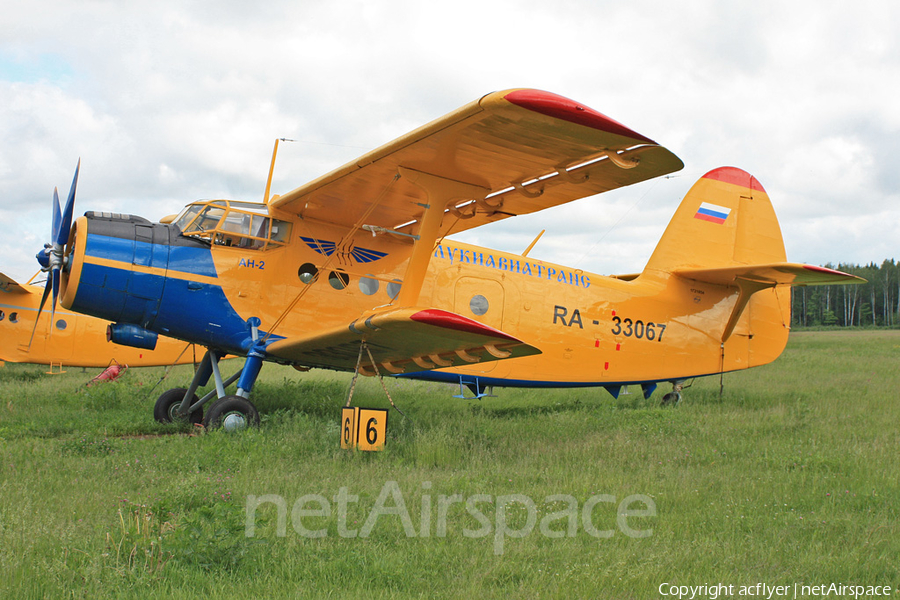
(448,320)
(826,270)
(563,108)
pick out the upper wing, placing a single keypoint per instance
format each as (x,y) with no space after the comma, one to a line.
(403,340)
(771,275)
(9,285)
(523,150)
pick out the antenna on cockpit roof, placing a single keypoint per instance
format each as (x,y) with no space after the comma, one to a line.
(272,168)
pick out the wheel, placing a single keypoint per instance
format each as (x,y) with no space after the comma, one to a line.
(672,398)
(167,404)
(231,413)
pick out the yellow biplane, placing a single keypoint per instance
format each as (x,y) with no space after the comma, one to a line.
(353,271)
(72,339)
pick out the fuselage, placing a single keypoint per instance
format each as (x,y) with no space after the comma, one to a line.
(71,339)
(206,284)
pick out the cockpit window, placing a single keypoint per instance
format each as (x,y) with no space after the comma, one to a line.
(208,219)
(281,231)
(238,224)
(187,215)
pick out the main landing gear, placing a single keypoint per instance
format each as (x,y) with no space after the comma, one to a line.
(167,405)
(230,412)
(673,397)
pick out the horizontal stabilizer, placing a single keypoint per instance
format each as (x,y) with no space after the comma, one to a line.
(770,275)
(403,340)
(10,286)
(749,279)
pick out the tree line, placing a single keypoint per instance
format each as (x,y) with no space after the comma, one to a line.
(872,304)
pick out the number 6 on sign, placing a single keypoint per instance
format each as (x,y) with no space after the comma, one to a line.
(363,428)
(372,427)
(348,427)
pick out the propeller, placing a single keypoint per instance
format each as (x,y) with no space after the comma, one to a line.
(51,257)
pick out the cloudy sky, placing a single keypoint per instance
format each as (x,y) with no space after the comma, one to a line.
(170,101)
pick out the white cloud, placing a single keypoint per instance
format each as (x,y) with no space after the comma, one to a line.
(170,101)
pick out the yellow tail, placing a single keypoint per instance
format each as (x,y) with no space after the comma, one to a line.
(725,220)
(724,245)
(724,242)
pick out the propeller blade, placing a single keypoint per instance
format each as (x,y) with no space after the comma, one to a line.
(40,308)
(54,277)
(62,234)
(52,257)
(57,217)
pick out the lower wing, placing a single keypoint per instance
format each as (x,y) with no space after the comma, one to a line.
(402,340)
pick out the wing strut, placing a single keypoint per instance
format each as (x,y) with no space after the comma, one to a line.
(440,191)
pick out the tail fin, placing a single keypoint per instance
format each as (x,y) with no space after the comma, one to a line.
(725,220)
(726,233)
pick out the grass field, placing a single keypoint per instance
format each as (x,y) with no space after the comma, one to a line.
(791,477)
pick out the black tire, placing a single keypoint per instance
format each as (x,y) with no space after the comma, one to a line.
(231,413)
(167,404)
(671,399)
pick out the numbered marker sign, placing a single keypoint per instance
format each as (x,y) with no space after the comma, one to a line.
(348,427)
(363,428)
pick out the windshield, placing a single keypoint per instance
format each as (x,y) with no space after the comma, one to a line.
(238,224)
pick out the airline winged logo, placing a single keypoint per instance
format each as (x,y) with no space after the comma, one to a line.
(349,254)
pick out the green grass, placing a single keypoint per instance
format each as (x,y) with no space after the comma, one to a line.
(791,476)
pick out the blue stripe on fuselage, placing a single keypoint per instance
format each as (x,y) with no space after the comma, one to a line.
(190,310)
(184,259)
(445,377)
(187,259)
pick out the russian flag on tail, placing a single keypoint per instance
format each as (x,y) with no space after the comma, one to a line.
(712,213)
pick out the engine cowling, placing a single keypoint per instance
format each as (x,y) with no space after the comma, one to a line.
(100,277)
(126,269)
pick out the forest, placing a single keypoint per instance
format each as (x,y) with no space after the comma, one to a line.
(872,304)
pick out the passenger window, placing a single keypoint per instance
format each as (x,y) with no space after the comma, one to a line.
(368,286)
(338,280)
(307,272)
